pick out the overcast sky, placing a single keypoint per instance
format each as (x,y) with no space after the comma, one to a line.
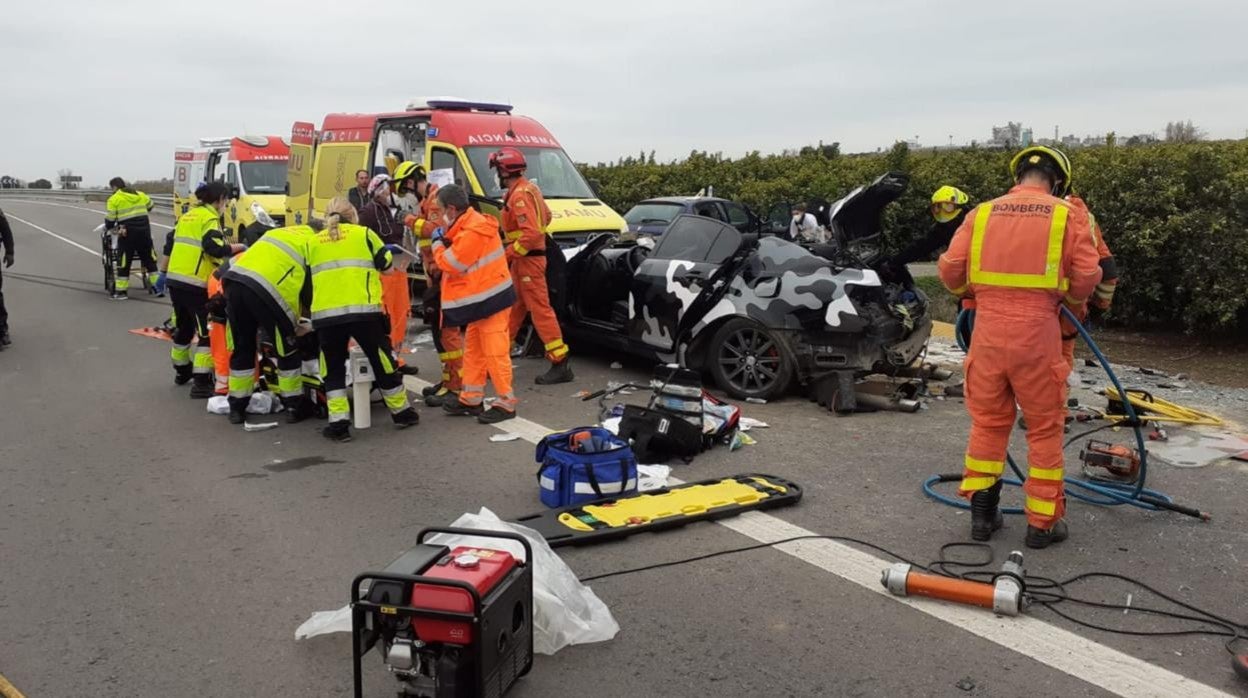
(109,88)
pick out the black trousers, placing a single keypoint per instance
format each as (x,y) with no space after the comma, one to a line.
(372,335)
(135,246)
(249,314)
(4,314)
(191,320)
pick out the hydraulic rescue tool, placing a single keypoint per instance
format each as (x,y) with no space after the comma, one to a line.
(1004,595)
(1106,462)
(452,623)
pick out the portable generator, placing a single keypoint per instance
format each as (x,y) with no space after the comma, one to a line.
(1106,462)
(451,623)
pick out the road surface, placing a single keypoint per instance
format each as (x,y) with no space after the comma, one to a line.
(149,549)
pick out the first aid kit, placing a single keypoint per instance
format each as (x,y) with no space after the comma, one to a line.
(584,464)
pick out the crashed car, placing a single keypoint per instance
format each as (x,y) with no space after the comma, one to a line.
(758,315)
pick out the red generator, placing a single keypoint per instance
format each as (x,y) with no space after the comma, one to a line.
(451,623)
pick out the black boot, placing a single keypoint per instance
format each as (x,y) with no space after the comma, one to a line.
(985,516)
(181,375)
(431,389)
(237,416)
(441,398)
(407,418)
(495,414)
(4,338)
(202,387)
(558,373)
(298,409)
(337,431)
(408,370)
(455,408)
(1040,538)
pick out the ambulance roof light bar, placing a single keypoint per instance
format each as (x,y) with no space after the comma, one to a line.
(214,142)
(458,104)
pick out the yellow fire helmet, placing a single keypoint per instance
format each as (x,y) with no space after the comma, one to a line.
(1049,159)
(946,203)
(407,169)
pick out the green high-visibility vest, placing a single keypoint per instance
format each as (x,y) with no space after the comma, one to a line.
(276,267)
(346,283)
(188,263)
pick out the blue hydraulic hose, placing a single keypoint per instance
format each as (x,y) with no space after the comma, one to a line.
(1111,494)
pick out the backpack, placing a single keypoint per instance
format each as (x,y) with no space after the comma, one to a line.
(584,464)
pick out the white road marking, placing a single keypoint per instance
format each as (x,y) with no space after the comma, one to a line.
(78,208)
(93,253)
(1070,653)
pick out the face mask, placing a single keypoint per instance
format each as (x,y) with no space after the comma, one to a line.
(498,181)
(447,220)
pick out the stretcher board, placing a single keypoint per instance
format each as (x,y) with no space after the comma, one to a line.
(153,332)
(663,509)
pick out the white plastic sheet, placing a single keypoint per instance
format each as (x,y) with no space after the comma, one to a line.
(218,404)
(652,477)
(565,612)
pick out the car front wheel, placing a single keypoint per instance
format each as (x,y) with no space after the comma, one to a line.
(748,360)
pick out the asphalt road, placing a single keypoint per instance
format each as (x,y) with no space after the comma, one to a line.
(148,548)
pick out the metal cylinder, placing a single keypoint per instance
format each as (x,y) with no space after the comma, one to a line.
(902,580)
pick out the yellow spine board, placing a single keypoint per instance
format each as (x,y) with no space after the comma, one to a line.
(679,501)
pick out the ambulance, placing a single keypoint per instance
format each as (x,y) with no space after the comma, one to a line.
(452,138)
(253,167)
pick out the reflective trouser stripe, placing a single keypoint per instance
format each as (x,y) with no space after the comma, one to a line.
(974,484)
(472,394)
(181,354)
(988,467)
(339,405)
(507,402)
(121,283)
(202,361)
(396,399)
(451,355)
(386,363)
(242,383)
(557,349)
(1040,506)
(1045,473)
(289,383)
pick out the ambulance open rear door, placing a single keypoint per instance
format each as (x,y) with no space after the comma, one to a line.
(299,173)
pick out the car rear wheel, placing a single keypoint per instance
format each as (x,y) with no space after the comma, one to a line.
(748,360)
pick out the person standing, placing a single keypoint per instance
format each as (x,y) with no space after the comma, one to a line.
(1022,255)
(345,260)
(127,211)
(195,250)
(379,216)
(949,207)
(358,196)
(477,292)
(525,217)
(6,241)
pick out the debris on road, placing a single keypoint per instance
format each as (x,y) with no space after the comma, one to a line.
(259,427)
(756,401)
(652,477)
(748,423)
(502,438)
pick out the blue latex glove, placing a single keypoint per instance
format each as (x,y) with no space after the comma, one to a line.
(396,250)
(438,234)
(159,287)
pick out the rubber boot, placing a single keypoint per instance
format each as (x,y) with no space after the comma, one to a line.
(558,373)
(408,370)
(441,397)
(495,414)
(985,515)
(298,409)
(431,389)
(237,416)
(202,387)
(5,340)
(337,431)
(407,418)
(455,408)
(181,375)
(1038,538)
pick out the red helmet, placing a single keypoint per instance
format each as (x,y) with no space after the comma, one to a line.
(508,161)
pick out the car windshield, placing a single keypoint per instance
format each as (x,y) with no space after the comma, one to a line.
(653,213)
(267,177)
(549,168)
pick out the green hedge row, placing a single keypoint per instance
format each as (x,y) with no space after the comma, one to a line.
(1175,214)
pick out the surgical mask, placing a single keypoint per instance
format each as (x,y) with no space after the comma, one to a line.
(498,181)
(447,221)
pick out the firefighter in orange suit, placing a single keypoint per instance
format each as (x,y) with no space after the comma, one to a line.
(1103,297)
(477,293)
(1023,255)
(447,339)
(525,217)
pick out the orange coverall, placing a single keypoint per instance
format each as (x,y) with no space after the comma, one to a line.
(448,340)
(525,217)
(477,292)
(1022,255)
(219,338)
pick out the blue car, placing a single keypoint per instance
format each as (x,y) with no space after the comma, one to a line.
(652,216)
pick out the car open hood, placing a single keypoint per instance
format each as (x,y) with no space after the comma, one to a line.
(856,217)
